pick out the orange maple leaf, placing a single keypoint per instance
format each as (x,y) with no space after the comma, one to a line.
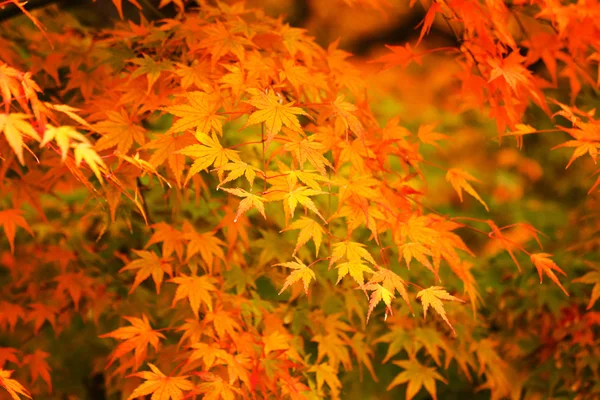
(148,264)
(196,288)
(9,220)
(459,178)
(38,366)
(344,111)
(161,387)
(137,337)
(120,131)
(172,239)
(544,264)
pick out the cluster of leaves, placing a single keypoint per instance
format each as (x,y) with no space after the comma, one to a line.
(222,186)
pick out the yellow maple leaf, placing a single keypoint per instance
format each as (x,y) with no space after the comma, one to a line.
(353,251)
(327,374)
(309,229)
(161,387)
(459,181)
(301,195)
(433,297)
(355,269)
(300,272)
(85,152)
(238,169)
(250,200)
(380,293)
(13,387)
(420,253)
(62,135)
(391,282)
(273,112)
(200,112)
(417,376)
(309,150)
(209,152)
(15,126)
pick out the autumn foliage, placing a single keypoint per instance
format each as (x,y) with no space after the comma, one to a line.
(213,204)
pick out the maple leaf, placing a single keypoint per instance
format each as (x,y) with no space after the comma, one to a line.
(344,111)
(223,322)
(167,147)
(273,112)
(161,387)
(544,264)
(207,244)
(209,152)
(38,366)
(63,136)
(8,354)
(216,388)
(137,337)
(238,169)
(220,40)
(428,20)
(85,152)
(326,374)
(308,150)
(417,376)
(355,269)
(428,136)
(171,238)
(196,288)
(250,200)
(151,68)
(353,251)
(10,315)
(592,278)
(200,112)
(300,272)
(380,293)
(40,313)
(9,220)
(301,195)
(309,229)
(420,253)
(401,55)
(13,387)
(391,282)
(119,131)
(459,181)
(433,296)
(149,264)
(15,126)
(209,355)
